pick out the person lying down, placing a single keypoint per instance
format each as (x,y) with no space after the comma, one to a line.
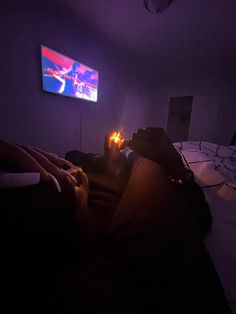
(135,234)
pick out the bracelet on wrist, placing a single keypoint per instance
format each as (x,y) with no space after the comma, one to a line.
(180,181)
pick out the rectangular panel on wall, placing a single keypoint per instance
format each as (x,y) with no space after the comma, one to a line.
(205,118)
(179,115)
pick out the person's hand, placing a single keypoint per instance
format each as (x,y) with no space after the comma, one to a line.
(111,148)
(154,144)
(111,155)
(30,159)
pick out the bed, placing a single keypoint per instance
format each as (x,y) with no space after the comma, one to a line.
(214,167)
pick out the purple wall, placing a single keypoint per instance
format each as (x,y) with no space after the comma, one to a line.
(213,111)
(132,93)
(29,115)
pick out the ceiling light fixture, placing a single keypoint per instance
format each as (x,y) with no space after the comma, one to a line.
(156,6)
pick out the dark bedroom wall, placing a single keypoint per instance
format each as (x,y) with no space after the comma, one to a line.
(29,115)
(213,110)
(227,114)
(196,57)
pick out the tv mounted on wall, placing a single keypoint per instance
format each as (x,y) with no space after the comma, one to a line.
(65,76)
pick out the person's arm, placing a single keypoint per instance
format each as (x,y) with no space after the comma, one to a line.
(154,144)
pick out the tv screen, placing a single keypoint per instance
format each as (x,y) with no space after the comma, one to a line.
(65,76)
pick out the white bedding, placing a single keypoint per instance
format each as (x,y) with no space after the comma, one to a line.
(214,167)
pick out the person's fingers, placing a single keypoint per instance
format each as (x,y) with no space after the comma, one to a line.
(29,160)
(62,176)
(81,178)
(142,147)
(81,189)
(111,147)
(155,136)
(106,144)
(63,163)
(142,136)
(42,159)
(55,159)
(21,159)
(47,154)
(59,162)
(151,138)
(151,133)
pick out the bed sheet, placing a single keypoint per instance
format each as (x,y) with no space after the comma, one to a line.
(214,167)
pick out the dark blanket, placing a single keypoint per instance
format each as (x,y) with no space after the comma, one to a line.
(38,243)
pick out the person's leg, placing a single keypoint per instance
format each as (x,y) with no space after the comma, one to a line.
(150,263)
(151,201)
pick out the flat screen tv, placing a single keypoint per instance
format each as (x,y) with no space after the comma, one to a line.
(65,76)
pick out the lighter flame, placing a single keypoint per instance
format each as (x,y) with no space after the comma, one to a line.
(117,138)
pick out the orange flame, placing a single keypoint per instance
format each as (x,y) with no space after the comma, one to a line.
(117,138)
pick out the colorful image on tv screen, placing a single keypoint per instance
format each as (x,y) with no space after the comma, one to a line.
(65,76)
